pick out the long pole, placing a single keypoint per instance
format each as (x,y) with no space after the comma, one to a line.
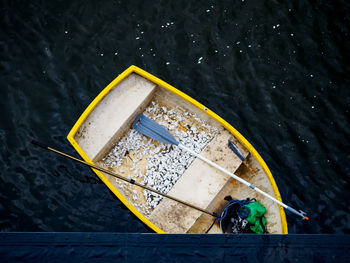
(131,181)
(300,213)
(155,131)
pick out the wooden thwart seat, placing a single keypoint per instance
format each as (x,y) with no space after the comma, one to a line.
(113,116)
(199,185)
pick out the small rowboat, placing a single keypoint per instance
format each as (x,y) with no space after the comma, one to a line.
(103,136)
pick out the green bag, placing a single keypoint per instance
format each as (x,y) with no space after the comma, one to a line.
(256,217)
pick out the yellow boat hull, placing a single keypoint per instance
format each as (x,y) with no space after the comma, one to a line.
(93,136)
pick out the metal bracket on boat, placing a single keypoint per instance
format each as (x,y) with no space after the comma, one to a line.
(235,149)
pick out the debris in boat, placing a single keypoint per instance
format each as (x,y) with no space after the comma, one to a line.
(155,164)
(239,225)
(243,216)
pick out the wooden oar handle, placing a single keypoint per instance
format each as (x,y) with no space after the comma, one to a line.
(131,181)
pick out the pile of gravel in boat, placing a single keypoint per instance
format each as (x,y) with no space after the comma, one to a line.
(165,163)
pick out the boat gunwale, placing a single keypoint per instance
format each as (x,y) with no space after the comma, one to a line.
(161,83)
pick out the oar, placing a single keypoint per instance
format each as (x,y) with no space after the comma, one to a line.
(131,181)
(156,132)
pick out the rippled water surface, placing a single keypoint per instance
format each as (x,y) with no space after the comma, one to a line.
(278,71)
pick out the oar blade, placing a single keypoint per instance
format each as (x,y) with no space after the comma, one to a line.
(153,130)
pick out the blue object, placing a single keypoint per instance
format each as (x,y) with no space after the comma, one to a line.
(242,212)
(153,130)
(235,149)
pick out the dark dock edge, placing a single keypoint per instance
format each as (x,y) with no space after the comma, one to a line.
(120,247)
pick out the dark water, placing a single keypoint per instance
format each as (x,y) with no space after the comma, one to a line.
(107,247)
(278,71)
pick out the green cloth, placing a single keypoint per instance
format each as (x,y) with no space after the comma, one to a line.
(256,211)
